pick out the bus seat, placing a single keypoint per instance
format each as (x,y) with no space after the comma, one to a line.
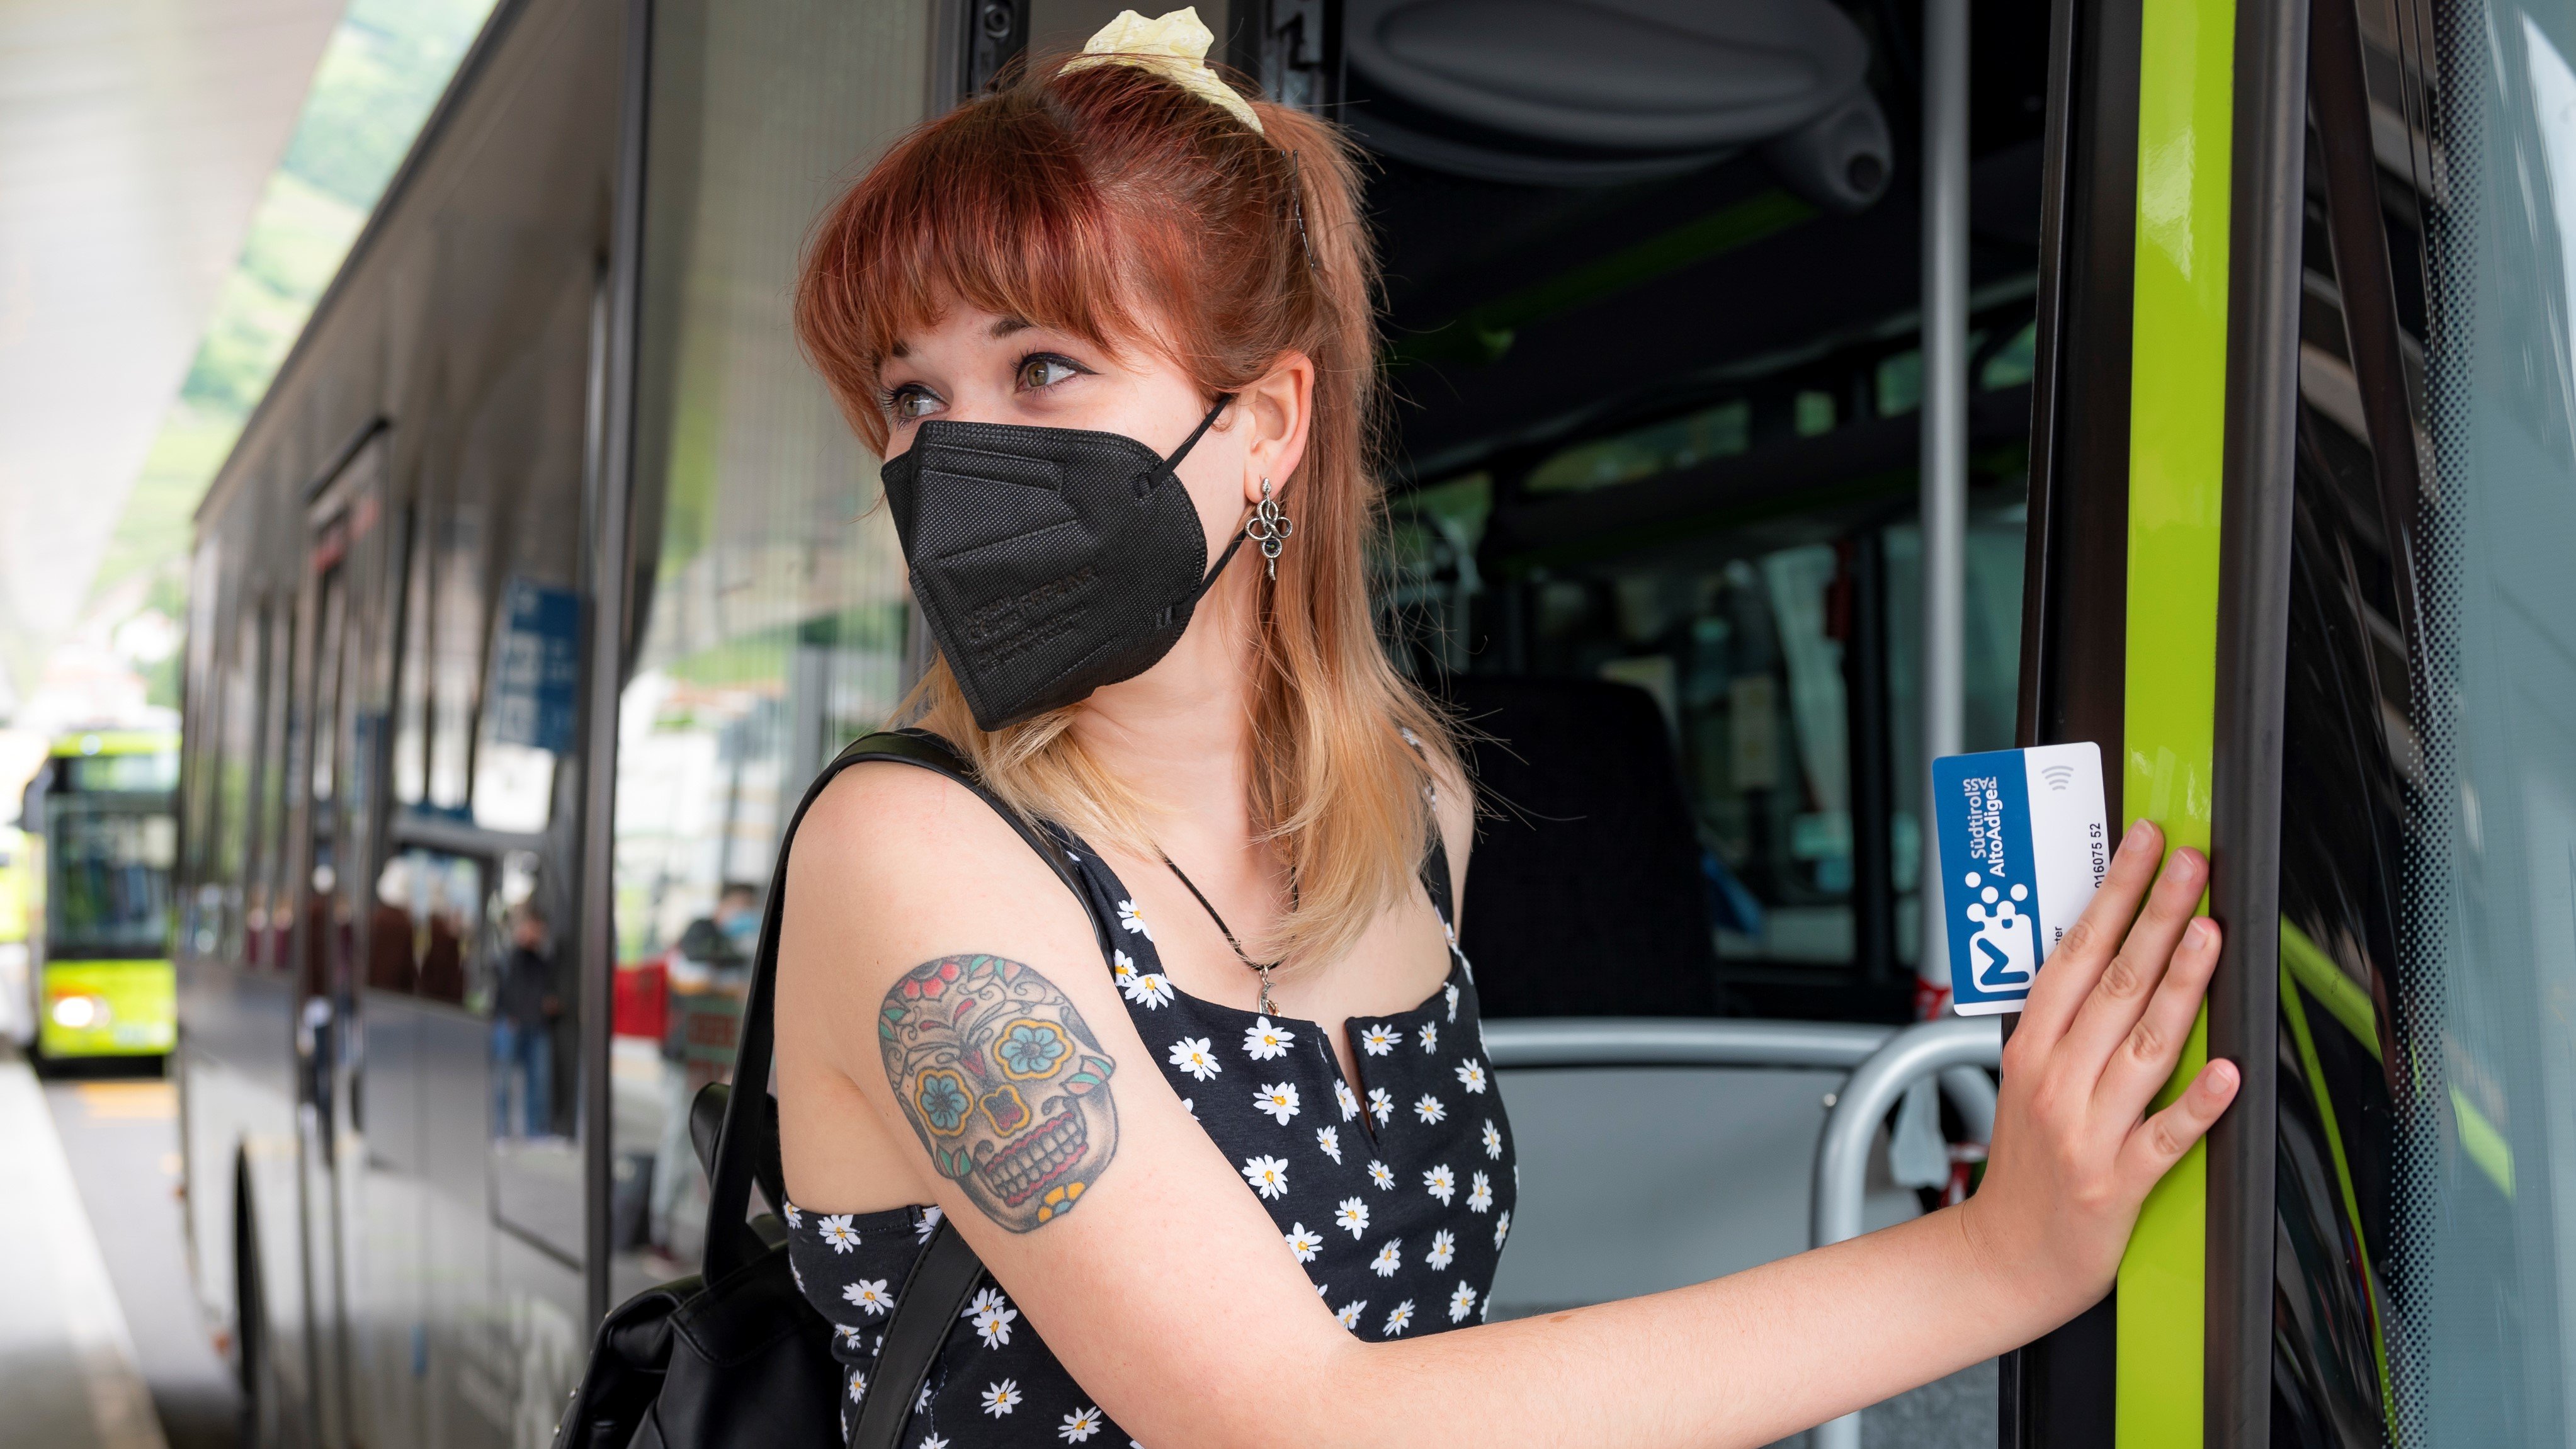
(1584,894)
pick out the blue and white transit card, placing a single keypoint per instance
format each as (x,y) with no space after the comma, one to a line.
(2024,840)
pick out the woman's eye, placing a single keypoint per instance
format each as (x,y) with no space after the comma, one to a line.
(1038,372)
(909,403)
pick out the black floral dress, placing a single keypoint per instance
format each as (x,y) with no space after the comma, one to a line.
(1396,1199)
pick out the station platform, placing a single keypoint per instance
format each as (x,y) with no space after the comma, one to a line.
(101,1346)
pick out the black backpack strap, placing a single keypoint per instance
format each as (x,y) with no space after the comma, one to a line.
(934,1298)
(750,1115)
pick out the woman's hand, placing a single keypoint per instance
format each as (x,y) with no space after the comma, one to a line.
(2074,1151)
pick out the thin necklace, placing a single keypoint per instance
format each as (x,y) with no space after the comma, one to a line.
(1258,968)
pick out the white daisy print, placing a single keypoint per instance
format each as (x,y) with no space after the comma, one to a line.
(1450,991)
(1122,966)
(1502,1228)
(1378,1040)
(1279,1099)
(798,1274)
(1493,1140)
(1430,1037)
(1381,1174)
(929,1224)
(1079,1425)
(1330,1140)
(795,1216)
(858,1387)
(1462,1303)
(1398,1318)
(1133,919)
(1268,1175)
(1444,1246)
(1352,1216)
(1441,1183)
(1429,1108)
(1191,1054)
(1263,1041)
(935,1441)
(992,1315)
(849,1335)
(1191,1106)
(1480,1194)
(1002,1398)
(1342,1094)
(1471,1075)
(836,1230)
(921,1401)
(1389,1258)
(1304,1243)
(1381,1106)
(1148,990)
(870,1294)
(1349,1314)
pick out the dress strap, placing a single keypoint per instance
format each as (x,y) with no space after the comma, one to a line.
(1435,878)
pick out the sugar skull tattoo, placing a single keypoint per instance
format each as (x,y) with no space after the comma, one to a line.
(1006,1085)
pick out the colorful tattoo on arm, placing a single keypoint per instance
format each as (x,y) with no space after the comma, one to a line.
(1005,1084)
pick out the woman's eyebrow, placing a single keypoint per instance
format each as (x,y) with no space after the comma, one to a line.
(1005,326)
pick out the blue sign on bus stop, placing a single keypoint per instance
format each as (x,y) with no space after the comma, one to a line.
(536,666)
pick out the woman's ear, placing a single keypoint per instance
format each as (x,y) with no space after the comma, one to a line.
(1277,412)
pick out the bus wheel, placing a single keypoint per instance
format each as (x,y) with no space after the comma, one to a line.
(263,1415)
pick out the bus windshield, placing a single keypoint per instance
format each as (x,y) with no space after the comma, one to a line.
(109,858)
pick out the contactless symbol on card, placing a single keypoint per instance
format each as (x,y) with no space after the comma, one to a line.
(2024,841)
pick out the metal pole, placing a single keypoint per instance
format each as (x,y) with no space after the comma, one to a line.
(1945,428)
(1842,1155)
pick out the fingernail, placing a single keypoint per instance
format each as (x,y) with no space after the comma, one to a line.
(2197,934)
(2222,1074)
(2137,835)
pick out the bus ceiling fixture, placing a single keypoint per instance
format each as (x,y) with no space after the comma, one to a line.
(1557,93)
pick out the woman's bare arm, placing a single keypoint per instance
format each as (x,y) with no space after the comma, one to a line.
(1165,1289)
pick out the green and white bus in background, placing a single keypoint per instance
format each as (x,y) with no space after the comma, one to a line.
(100,834)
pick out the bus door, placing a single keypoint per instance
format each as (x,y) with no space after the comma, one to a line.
(337,771)
(2305,477)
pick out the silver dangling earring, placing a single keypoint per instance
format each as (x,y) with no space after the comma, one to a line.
(1269,527)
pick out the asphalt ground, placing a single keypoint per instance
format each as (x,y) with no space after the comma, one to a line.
(120,1136)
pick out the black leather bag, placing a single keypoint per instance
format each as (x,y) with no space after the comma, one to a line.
(734,1357)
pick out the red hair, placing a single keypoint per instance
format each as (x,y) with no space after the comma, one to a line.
(1113,205)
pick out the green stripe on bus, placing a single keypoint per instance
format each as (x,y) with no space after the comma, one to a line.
(2178,422)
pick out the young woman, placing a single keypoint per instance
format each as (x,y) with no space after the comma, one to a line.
(1292,1167)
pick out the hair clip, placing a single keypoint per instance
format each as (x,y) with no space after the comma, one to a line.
(1297,208)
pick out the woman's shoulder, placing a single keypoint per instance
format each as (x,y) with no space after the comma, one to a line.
(891,824)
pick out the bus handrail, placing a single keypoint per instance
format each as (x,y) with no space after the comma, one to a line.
(1653,1041)
(1842,1153)
(1665,1041)
(1942,1046)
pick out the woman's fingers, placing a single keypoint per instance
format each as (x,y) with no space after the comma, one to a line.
(2119,997)
(2159,1142)
(2068,976)
(2145,1058)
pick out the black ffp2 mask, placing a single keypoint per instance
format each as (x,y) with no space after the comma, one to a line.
(1048,562)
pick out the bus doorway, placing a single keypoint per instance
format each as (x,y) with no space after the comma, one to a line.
(1653,338)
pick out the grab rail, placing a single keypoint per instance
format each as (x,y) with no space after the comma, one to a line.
(1883,1062)
(1951,1046)
(1667,1041)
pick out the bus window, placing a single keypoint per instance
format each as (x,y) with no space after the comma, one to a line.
(110,862)
(1658,433)
(773,619)
(2428,829)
